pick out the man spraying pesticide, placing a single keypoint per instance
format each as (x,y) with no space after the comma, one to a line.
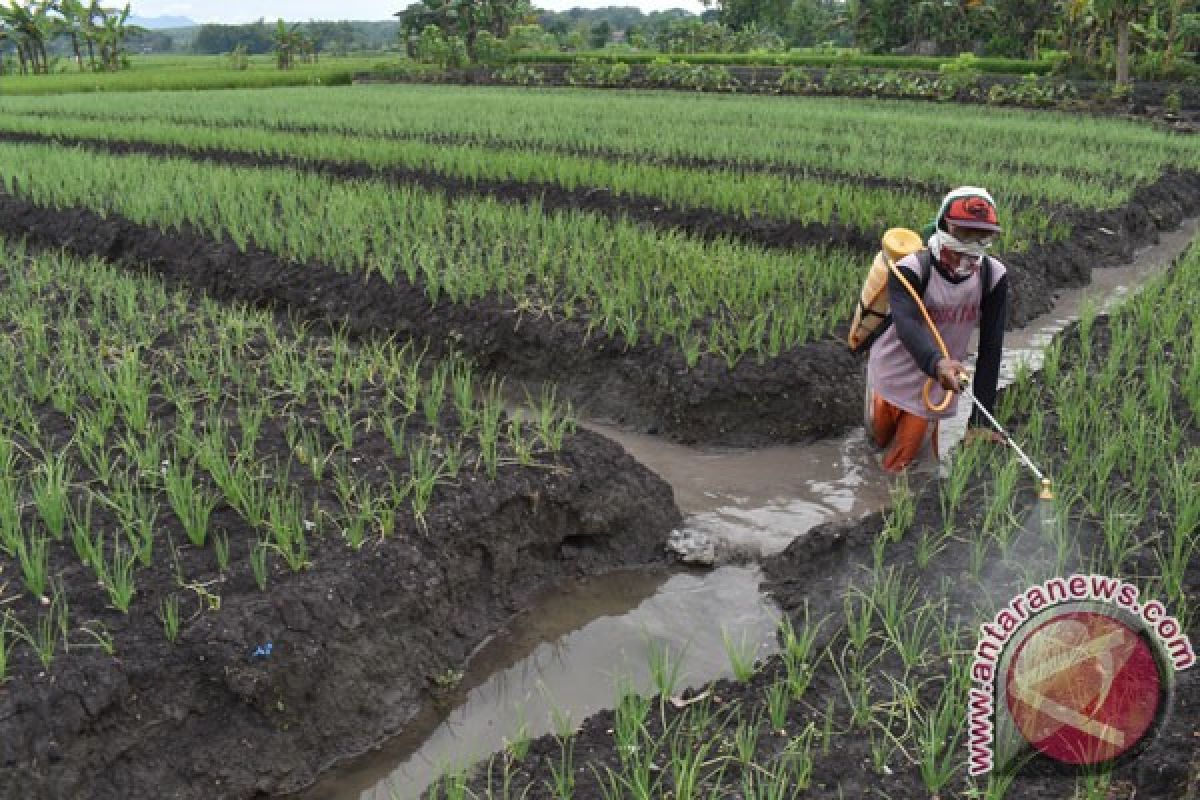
(938,296)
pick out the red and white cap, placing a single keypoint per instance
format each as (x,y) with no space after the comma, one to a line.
(970,207)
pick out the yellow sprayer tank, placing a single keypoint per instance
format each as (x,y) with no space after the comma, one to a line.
(873,306)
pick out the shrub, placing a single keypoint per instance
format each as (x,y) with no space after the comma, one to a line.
(590,72)
(796,80)
(238,59)
(490,50)
(519,75)
(958,76)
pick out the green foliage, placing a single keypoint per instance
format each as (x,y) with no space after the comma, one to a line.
(489,50)
(519,75)
(590,72)
(1010,66)
(430,46)
(958,76)
(678,74)
(239,59)
(1033,90)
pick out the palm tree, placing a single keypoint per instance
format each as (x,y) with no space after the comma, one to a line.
(6,37)
(289,41)
(30,24)
(1121,13)
(87,25)
(111,35)
(71,13)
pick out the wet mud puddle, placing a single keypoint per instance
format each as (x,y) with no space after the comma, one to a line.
(570,655)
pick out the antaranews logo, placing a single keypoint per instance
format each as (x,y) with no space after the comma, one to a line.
(1075,669)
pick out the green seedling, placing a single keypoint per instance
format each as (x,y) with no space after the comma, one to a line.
(101,638)
(50,485)
(117,576)
(168,613)
(33,554)
(742,655)
(6,645)
(778,699)
(562,771)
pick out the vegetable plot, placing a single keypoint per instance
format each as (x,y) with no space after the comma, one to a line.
(143,433)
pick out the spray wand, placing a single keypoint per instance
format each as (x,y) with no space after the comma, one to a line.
(1047,492)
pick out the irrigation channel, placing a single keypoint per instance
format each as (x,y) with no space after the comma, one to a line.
(567,657)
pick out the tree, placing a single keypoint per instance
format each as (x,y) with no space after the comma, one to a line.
(7,37)
(70,20)
(290,43)
(810,22)
(30,24)
(1119,15)
(464,18)
(881,26)
(738,14)
(336,36)
(110,36)
(600,34)
(254,37)
(1022,19)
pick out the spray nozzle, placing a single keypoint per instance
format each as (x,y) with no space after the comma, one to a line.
(1047,492)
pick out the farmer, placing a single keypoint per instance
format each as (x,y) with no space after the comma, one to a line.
(961,292)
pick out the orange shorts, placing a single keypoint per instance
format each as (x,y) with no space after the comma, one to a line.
(901,433)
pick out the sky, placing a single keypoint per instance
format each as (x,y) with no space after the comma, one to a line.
(294,10)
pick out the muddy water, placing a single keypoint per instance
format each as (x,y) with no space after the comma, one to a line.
(565,658)
(1107,288)
(563,661)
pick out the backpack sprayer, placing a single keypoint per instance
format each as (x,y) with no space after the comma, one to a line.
(895,241)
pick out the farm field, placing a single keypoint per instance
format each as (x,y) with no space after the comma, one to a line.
(167,73)
(186,485)
(704,274)
(870,694)
(262,346)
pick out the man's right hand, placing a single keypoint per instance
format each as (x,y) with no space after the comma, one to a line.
(948,372)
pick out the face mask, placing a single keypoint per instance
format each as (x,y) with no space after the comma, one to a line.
(974,249)
(970,254)
(967,265)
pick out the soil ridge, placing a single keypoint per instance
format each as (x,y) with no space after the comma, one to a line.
(361,644)
(806,393)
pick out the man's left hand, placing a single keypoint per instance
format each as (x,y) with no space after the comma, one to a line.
(987,434)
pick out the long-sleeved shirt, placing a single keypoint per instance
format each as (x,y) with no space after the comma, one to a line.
(906,353)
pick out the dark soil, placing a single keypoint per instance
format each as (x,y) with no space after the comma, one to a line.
(807,172)
(803,394)
(205,717)
(810,581)
(652,212)
(816,569)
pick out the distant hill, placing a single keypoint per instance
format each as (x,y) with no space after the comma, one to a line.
(158,23)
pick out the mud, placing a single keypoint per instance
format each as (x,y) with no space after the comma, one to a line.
(204,717)
(751,504)
(934,190)
(810,580)
(563,663)
(652,212)
(799,396)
